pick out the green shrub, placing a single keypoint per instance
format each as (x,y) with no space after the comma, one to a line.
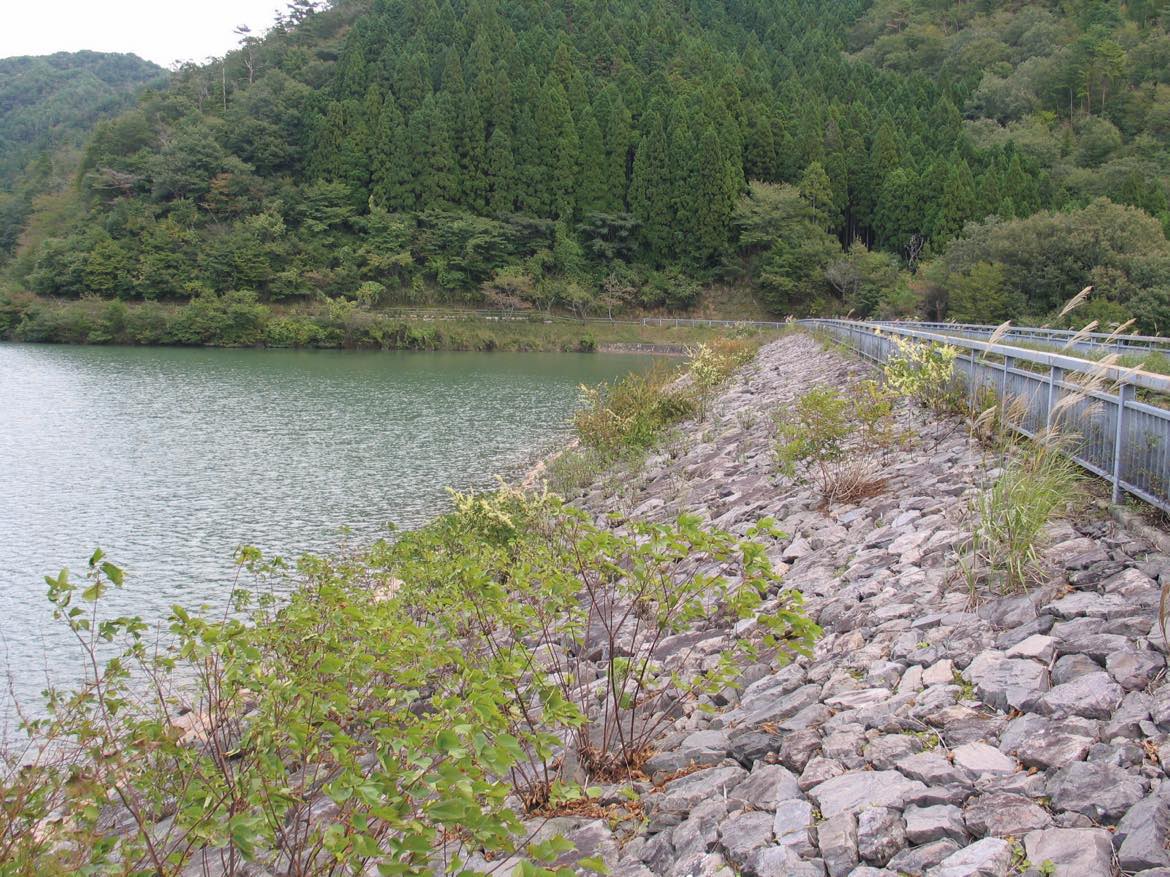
(922,371)
(291,332)
(715,361)
(836,437)
(380,720)
(632,412)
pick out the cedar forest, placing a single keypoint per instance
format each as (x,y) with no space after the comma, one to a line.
(974,161)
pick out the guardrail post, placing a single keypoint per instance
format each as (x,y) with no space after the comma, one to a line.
(1055,376)
(1007,364)
(1125,394)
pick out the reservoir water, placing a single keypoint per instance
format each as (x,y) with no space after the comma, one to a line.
(168,459)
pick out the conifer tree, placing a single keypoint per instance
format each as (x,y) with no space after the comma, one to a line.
(650,195)
(390,164)
(591,183)
(501,173)
(713,201)
(560,148)
(899,216)
(958,205)
(816,189)
(617,137)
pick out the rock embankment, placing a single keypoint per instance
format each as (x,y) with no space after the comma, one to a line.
(933,732)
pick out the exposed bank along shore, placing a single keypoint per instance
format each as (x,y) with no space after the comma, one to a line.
(931,733)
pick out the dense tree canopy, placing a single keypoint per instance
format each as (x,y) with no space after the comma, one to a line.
(49,104)
(561,150)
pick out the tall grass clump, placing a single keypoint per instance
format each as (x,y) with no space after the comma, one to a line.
(632,412)
(618,423)
(713,362)
(1037,483)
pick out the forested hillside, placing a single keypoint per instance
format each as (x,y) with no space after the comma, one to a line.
(51,103)
(976,160)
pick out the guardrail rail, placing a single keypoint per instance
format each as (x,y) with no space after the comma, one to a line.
(1111,432)
(1086,342)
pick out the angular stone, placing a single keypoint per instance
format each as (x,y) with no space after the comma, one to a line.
(852,791)
(792,824)
(979,760)
(1094,696)
(866,697)
(1097,646)
(765,786)
(700,748)
(1076,553)
(1101,792)
(1073,852)
(1001,814)
(932,768)
(990,857)
(1160,707)
(1134,670)
(1007,683)
(1132,583)
(1142,836)
(1008,612)
(1086,603)
(1073,666)
(926,824)
(780,862)
(1037,647)
(880,834)
(777,708)
(885,752)
(1053,746)
(698,834)
(818,770)
(743,834)
(837,839)
(684,793)
(798,748)
(939,673)
(748,745)
(1128,718)
(916,861)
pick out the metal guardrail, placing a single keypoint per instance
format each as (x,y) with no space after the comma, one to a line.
(731,324)
(1088,342)
(1110,432)
(539,316)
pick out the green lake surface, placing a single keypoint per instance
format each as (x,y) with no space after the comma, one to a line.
(168,459)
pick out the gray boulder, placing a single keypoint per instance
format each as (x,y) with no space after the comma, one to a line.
(1073,852)
(926,824)
(880,834)
(1102,792)
(1142,836)
(1002,814)
(837,838)
(855,790)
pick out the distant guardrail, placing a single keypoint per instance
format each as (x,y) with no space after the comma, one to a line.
(536,316)
(1112,433)
(1087,342)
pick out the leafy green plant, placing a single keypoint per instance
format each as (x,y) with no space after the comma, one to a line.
(922,371)
(383,716)
(583,610)
(632,412)
(821,435)
(713,362)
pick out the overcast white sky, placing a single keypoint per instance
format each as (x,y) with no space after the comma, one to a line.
(162,31)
